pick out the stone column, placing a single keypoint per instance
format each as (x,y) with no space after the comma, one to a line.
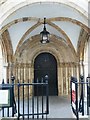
(59,81)
(89,57)
(29,73)
(18,72)
(30,78)
(72,73)
(77,71)
(21,72)
(24,72)
(1,64)
(85,76)
(5,65)
(66,80)
(81,68)
(69,77)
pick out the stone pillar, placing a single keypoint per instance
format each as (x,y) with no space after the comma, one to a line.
(66,80)
(31,76)
(5,65)
(85,76)
(77,71)
(1,72)
(9,71)
(59,81)
(81,68)
(18,72)
(69,75)
(72,73)
(89,57)
(22,73)
(29,73)
(16,69)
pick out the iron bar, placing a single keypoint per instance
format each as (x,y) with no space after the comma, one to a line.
(12,78)
(76,87)
(37,101)
(18,100)
(28,100)
(42,97)
(87,98)
(2,112)
(33,102)
(8,107)
(47,97)
(23,99)
(35,108)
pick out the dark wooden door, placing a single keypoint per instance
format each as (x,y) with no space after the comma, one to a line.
(46,64)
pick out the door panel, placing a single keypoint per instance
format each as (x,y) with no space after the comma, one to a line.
(46,64)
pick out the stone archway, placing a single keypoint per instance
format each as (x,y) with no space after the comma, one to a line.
(67,65)
(1,65)
(20,4)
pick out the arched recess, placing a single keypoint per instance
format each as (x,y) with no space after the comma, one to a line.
(8,45)
(7,53)
(16,6)
(66,63)
(3,60)
(82,50)
(25,19)
(86,60)
(50,22)
(1,65)
(21,5)
(39,22)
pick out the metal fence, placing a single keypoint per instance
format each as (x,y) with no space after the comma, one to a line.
(24,102)
(80,96)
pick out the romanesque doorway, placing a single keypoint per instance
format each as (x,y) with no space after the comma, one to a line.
(46,64)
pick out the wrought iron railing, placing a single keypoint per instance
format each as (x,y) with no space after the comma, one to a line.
(26,104)
(80,96)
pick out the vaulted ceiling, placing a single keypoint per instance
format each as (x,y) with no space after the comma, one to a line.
(66,19)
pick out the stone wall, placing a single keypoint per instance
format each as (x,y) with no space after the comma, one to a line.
(25,73)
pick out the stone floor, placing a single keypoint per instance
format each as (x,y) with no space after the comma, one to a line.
(59,107)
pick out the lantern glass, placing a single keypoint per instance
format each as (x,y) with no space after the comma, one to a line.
(44,35)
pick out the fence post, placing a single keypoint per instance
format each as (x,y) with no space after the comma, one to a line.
(87,95)
(18,100)
(3,107)
(13,107)
(82,80)
(74,96)
(76,87)
(47,93)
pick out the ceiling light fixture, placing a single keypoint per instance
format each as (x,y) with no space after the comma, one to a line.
(44,34)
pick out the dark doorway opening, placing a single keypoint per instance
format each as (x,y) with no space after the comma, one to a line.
(46,64)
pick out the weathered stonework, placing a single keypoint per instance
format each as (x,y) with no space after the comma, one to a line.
(24,67)
(22,62)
